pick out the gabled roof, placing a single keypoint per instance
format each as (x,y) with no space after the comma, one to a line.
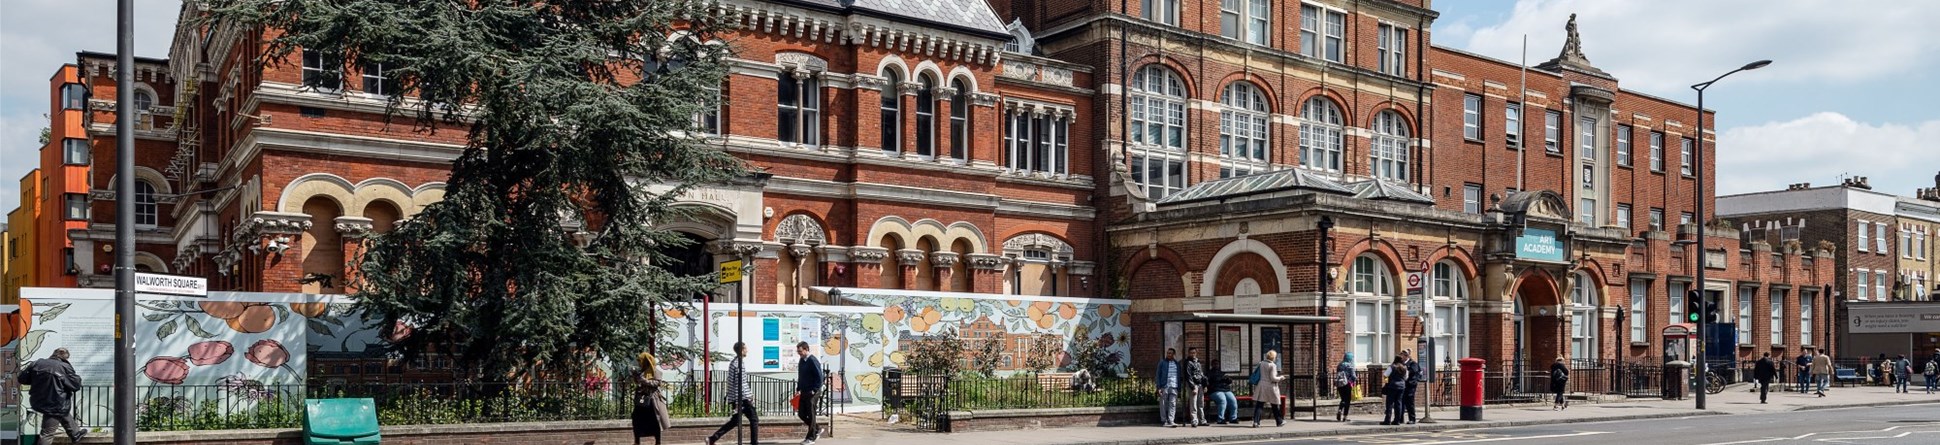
(1379,189)
(974,15)
(1289,179)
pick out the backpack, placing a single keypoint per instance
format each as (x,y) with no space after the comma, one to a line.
(1932,368)
(1558,375)
(1341,380)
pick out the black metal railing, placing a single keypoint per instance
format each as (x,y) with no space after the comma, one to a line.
(927,398)
(206,407)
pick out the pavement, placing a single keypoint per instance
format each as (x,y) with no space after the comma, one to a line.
(1736,406)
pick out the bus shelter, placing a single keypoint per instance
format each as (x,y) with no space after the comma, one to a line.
(1235,343)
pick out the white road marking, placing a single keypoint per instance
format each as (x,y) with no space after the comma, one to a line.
(1500,439)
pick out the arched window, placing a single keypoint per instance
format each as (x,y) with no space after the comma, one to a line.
(1320,135)
(892,111)
(1584,318)
(147,212)
(1388,157)
(1371,310)
(960,120)
(926,116)
(1243,125)
(1449,295)
(1158,103)
(143,101)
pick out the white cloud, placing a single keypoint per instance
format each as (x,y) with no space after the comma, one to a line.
(1663,46)
(1821,147)
(36,37)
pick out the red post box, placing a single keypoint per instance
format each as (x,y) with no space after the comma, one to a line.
(1471,381)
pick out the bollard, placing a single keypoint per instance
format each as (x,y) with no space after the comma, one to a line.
(1471,388)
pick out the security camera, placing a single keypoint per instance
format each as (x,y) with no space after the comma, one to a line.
(280,244)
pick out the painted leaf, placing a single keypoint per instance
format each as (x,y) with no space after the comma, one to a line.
(166,330)
(319,327)
(867,400)
(282,312)
(195,327)
(31,342)
(155,316)
(53,312)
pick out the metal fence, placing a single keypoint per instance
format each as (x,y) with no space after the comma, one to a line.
(206,407)
(927,398)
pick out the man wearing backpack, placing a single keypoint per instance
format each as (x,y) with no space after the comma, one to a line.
(1195,387)
(1932,372)
(54,383)
(1902,371)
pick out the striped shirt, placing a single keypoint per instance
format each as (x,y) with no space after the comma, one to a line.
(738,389)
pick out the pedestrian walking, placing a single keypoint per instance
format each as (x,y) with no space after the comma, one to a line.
(1883,371)
(650,416)
(1266,389)
(1167,378)
(53,384)
(1220,387)
(740,399)
(1195,388)
(1395,384)
(1559,380)
(1410,385)
(1344,381)
(1762,374)
(1822,371)
(1932,373)
(1804,372)
(808,383)
(1902,371)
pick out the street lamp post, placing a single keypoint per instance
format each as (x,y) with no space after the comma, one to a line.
(1703,252)
(1326,226)
(124,346)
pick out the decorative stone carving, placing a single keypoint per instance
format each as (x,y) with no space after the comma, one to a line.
(800,229)
(1017,245)
(943,259)
(909,257)
(984,261)
(275,223)
(799,251)
(984,99)
(1573,43)
(835,254)
(354,226)
(1081,267)
(866,254)
(909,88)
(740,249)
(801,61)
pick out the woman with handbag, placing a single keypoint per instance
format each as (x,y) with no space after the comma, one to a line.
(1266,389)
(650,417)
(1344,381)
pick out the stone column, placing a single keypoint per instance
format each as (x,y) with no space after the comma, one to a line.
(945,262)
(987,270)
(352,230)
(909,259)
(278,239)
(868,265)
(944,96)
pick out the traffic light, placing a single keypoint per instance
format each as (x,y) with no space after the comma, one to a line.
(1711,314)
(1693,306)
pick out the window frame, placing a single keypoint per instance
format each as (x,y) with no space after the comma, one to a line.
(1862,291)
(889,111)
(1882,245)
(1322,136)
(1322,32)
(925,117)
(1586,213)
(1161,11)
(75,207)
(1391,49)
(74,96)
(803,115)
(1389,146)
(1623,216)
(1512,124)
(383,85)
(1585,318)
(1865,236)
(1775,299)
(1686,149)
(1552,131)
(1676,300)
(316,76)
(959,120)
(147,207)
(1805,316)
(76,151)
(1624,132)
(1472,116)
(1472,198)
(1745,296)
(1251,22)
(1657,151)
(1656,219)
(1245,127)
(1639,306)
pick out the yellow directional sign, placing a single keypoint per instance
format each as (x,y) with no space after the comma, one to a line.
(731,271)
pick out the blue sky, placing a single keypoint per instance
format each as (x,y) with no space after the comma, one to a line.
(1852,89)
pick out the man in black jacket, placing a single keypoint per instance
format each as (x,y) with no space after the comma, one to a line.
(1414,380)
(808,383)
(1194,387)
(54,383)
(1763,373)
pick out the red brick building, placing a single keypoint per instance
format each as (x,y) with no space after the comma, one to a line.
(1179,154)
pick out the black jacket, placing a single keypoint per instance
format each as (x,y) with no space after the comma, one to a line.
(1764,370)
(1194,375)
(1217,381)
(808,376)
(54,384)
(1414,372)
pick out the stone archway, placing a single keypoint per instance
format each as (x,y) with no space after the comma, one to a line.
(1538,328)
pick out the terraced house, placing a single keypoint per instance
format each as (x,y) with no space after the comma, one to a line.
(1181,155)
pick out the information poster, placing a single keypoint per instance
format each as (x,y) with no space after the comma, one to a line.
(771,357)
(1230,348)
(1270,341)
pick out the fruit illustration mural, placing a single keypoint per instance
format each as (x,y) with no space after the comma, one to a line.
(268,354)
(210,352)
(166,370)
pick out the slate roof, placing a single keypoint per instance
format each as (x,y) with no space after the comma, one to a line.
(1379,189)
(974,15)
(1289,179)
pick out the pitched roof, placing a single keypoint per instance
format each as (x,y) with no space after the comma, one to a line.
(974,15)
(1289,179)
(1379,189)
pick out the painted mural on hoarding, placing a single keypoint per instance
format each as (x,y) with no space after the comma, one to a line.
(1013,319)
(239,348)
(838,336)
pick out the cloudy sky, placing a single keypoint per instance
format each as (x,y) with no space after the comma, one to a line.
(1851,90)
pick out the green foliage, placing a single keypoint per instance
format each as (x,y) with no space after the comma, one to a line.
(1088,354)
(560,135)
(1023,391)
(179,414)
(990,352)
(939,353)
